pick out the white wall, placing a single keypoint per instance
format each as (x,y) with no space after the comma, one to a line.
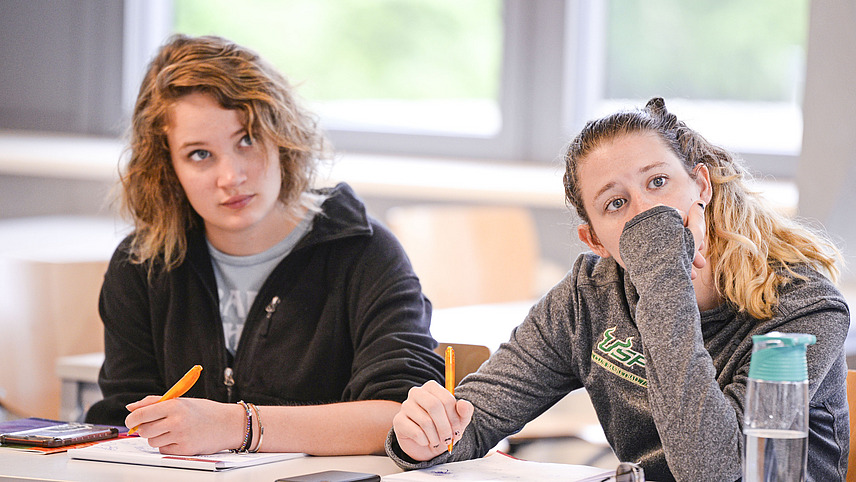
(827,168)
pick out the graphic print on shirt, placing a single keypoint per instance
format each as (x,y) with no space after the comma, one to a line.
(233,311)
(621,351)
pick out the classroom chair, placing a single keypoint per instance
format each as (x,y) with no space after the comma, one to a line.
(468,358)
(469,254)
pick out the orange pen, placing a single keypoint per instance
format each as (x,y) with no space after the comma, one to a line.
(180,388)
(450,375)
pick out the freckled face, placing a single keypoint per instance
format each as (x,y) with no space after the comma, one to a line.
(627,176)
(232,181)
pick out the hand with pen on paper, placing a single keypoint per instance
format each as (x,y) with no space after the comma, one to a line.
(180,388)
(185,426)
(430,419)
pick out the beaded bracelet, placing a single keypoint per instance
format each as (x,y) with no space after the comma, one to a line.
(248,434)
(261,427)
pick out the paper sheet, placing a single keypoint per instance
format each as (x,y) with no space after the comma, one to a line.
(136,450)
(497,467)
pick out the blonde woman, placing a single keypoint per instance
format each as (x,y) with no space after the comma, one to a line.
(656,323)
(303,311)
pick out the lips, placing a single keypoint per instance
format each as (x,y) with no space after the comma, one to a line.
(237,202)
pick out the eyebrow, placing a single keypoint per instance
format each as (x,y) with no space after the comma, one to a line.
(237,133)
(642,170)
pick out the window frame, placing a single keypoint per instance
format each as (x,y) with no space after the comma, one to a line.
(548,89)
(527,26)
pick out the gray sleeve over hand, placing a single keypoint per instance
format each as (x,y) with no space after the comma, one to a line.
(694,419)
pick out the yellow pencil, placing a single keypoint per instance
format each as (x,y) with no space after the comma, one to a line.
(450,376)
(180,388)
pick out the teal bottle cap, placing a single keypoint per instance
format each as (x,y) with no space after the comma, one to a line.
(780,357)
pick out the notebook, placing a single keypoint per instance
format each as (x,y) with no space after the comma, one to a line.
(136,450)
(497,467)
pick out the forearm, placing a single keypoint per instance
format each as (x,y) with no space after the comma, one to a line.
(696,422)
(349,428)
(190,426)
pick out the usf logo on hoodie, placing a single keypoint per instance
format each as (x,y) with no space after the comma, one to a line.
(622,352)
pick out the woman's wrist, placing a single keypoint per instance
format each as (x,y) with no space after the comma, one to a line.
(236,427)
(247,439)
(258,430)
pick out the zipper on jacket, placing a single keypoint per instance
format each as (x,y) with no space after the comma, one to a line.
(269,309)
(229,381)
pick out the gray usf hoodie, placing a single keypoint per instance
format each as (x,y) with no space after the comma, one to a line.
(667,382)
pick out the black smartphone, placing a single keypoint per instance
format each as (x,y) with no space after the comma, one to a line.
(333,476)
(60,435)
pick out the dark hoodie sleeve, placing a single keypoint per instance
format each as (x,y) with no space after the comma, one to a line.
(390,324)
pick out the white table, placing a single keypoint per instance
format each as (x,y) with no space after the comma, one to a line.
(489,325)
(16,465)
(79,389)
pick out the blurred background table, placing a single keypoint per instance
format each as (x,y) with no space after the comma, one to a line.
(51,269)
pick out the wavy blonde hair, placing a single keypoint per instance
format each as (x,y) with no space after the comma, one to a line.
(150,193)
(752,247)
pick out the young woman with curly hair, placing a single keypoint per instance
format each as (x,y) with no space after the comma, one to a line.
(303,311)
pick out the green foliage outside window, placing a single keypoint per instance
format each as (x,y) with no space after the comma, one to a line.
(365,49)
(706,49)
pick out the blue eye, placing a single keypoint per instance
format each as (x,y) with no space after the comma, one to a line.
(615,204)
(199,155)
(246,141)
(657,182)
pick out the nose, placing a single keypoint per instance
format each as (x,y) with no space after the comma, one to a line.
(232,171)
(641,203)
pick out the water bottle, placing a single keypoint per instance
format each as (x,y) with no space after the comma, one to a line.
(775,417)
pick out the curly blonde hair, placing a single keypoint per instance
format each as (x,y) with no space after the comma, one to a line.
(150,193)
(751,246)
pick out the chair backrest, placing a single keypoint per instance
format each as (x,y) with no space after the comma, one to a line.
(467,255)
(468,358)
(851,403)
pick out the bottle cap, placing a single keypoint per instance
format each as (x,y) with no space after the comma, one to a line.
(780,357)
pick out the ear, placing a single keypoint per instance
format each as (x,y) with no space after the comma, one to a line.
(587,236)
(702,179)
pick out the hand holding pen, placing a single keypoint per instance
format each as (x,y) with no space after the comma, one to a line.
(430,420)
(180,388)
(187,426)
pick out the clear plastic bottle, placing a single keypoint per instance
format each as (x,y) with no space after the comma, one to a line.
(775,417)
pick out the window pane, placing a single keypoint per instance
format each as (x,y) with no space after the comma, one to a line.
(736,66)
(387,65)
